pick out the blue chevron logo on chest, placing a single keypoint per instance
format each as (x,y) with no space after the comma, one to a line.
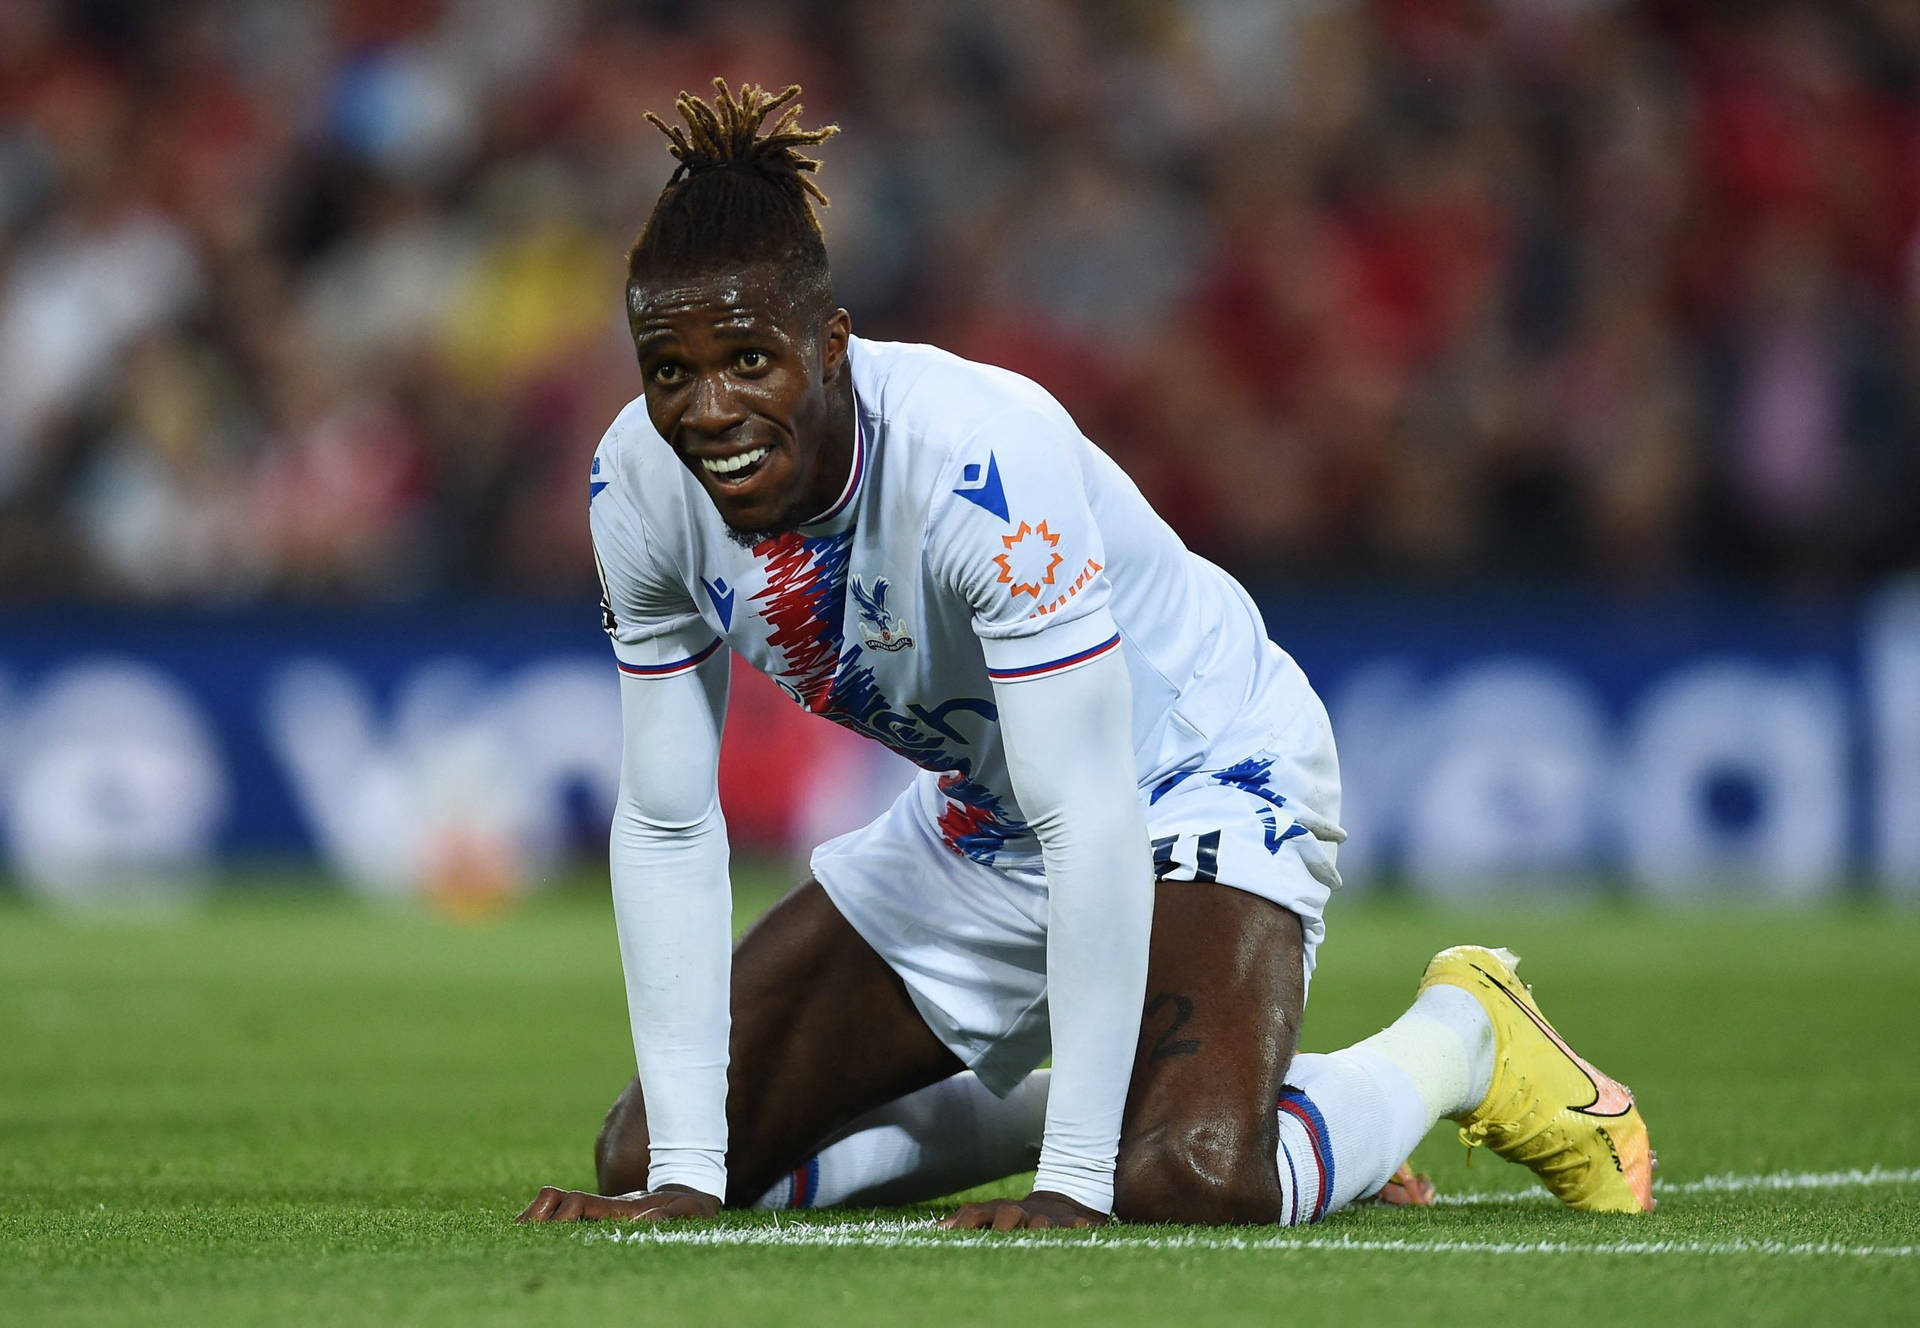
(722,596)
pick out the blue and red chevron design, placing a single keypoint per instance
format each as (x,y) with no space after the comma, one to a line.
(975,823)
(805,603)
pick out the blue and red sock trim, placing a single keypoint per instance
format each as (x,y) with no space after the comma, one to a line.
(1293,1186)
(1301,1107)
(806,1183)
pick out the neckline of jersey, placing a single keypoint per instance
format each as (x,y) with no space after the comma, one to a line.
(855,474)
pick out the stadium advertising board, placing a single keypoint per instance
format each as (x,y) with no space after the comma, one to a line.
(1704,746)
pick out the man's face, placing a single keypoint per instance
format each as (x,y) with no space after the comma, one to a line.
(739,384)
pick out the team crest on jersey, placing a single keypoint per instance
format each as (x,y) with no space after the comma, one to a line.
(880,627)
(1029,559)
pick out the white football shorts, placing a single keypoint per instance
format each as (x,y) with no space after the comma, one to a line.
(970,940)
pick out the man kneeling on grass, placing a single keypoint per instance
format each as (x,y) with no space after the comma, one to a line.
(1119,851)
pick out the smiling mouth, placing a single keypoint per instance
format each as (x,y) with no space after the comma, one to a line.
(738,468)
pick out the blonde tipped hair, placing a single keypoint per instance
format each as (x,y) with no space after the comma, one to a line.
(743,194)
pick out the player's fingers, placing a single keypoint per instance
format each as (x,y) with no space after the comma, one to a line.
(1011,1217)
(542,1206)
(985,1215)
(1039,1222)
(674,1208)
(571,1207)
(966,1217)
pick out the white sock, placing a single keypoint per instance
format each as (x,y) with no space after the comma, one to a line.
(1444,1043)
(1348,1120)
(947,1137)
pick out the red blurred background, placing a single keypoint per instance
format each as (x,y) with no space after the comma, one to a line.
(323,300)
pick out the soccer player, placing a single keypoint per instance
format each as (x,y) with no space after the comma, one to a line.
(1118,853)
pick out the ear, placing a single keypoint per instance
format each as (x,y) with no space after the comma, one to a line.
(833,344)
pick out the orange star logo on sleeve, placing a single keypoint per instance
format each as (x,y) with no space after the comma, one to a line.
(1030,560)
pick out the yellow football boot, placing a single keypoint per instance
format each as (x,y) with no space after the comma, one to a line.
(1573,1126)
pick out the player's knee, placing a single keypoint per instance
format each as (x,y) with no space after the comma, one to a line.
(1206,1173)
(620,1151)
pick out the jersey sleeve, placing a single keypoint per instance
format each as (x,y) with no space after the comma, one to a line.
(1015,536)
(1070,758)
(644,606)
(672,909)
(668,847)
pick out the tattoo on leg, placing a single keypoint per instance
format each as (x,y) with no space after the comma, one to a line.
(1167,1046)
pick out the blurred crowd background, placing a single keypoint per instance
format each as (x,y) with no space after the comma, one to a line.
(322,300)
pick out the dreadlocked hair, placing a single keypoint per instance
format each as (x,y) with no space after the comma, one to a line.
(742,195)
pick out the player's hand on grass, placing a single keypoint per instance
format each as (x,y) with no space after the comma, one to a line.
(666,1204)
(1037,1212)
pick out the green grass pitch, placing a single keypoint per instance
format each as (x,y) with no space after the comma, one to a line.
(291,1107)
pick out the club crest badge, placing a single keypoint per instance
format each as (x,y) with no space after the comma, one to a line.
(880,627)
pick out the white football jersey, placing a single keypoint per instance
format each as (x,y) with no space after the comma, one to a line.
(980,537)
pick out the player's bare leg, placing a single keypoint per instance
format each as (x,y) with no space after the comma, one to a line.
(1200,1138)
(823,1032)
(803,983)
(1220,1103)
(1225,993)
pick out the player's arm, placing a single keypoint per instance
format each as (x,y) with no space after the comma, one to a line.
(1070,755)
(1065,715)
(671,895)
(673,908)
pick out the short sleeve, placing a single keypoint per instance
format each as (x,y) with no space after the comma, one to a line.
(655,628)
(1015,536)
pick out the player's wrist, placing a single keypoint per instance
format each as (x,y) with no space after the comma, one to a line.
(697,1174)
(652,1190)
(1083,1186)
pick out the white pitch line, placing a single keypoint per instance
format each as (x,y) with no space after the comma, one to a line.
(1722,1184)
(1796,1180)
(922,1235)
